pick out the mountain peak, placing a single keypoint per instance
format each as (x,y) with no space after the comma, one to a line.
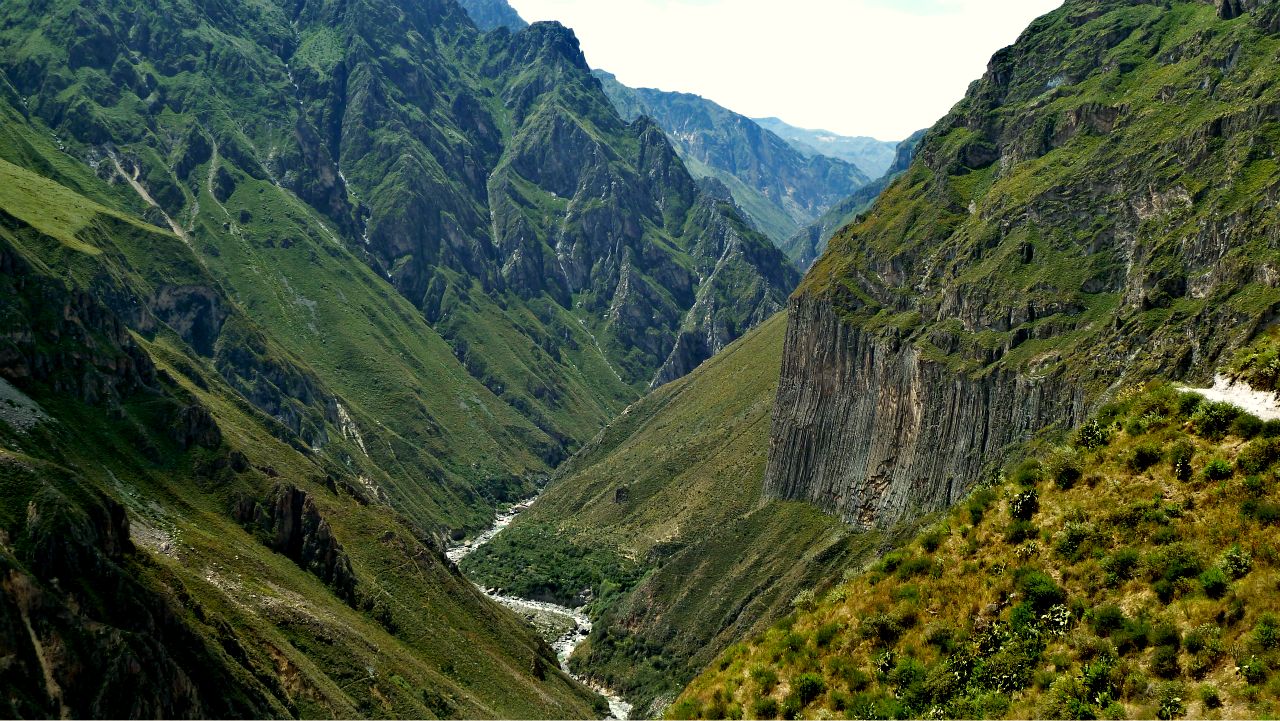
(493,14)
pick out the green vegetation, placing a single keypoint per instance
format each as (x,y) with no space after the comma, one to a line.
(660,521)
(1135,594)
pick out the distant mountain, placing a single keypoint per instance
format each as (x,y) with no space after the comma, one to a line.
(779,187)
(873,156)
(491,14)
(805,246)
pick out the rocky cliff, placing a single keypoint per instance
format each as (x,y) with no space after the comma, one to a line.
(1100,208)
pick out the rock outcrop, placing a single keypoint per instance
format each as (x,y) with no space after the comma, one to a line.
(867,428)
(1048,247)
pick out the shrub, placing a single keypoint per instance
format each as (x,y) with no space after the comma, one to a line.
(1166,634)
(826,632)
(1254,486)
(1210,697)
(1189,403)
(1107,620)
(1264,512)
(1212,420)
(881,628)
(808,687)
(1236,562)
(1039,589)
(1169,702)
(1028,474)
(1164,663)
(1121,565)
(1180,460)
(1214,582)
(765,708)
(1246,425)
(1271,429)
(1072,541)
(1266,634)
(1065,468)
(1025,505)
(931,540)
(1254,670)
(978,504)
(1258,455)
(1020,531)
(806,600)
(1218,470)
(1092,435)
(940,636)
(766,678)
(1145,456)
(1205,638)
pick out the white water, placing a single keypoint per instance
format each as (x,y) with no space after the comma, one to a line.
(577,622)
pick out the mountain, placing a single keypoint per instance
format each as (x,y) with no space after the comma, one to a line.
(1093,214)
(1124,574)
(295,291)
(805,246)
(490,14)
(779,187)
(658,527)
(873,157)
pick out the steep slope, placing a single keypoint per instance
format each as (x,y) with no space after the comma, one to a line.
(659,527)
(1099,208)
(169,548)
(491,14)
(806,246)
(1127,574)
(779,187)
(562,281)
(873,157)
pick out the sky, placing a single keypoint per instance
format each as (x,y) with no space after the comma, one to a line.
(883,68)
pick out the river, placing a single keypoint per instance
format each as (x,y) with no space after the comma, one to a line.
(567,627)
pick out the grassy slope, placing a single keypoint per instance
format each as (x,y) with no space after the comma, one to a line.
(692,559)
(426,645)
(1138,588)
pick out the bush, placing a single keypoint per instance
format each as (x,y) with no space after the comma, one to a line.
(1189,403)
(1107,620)
(1025,505)
(766,678)
(1039,589)
(1166,634)
(1145,456)
(1028,474)
(1020,531)
(1214,582)
(978,504)
(1210,697)
(1065,468)
(1236,562)
(1254,670)
(881,628)
(1266,634)
(1212,420)
(1246,425)
(1218,470)
(1264,512)
(806,600)
(1180,460)
(1204,638)
(826,632)
(1074,538)
(1169,702)
(1121,565)
(933,539)
(1092,435)
(1164,663)
(808,687)
(764,708)
(1258,456)
(1254,486)
(1271,429)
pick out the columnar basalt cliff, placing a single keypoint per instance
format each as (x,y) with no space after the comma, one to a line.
(1099,209)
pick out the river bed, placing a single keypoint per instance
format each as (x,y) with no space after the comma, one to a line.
(565,628)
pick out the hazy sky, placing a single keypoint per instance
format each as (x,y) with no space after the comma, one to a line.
(883,68)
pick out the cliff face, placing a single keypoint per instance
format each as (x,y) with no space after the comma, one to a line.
(1098,210)
(867,428)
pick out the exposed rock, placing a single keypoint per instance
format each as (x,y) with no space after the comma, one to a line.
(293,527)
